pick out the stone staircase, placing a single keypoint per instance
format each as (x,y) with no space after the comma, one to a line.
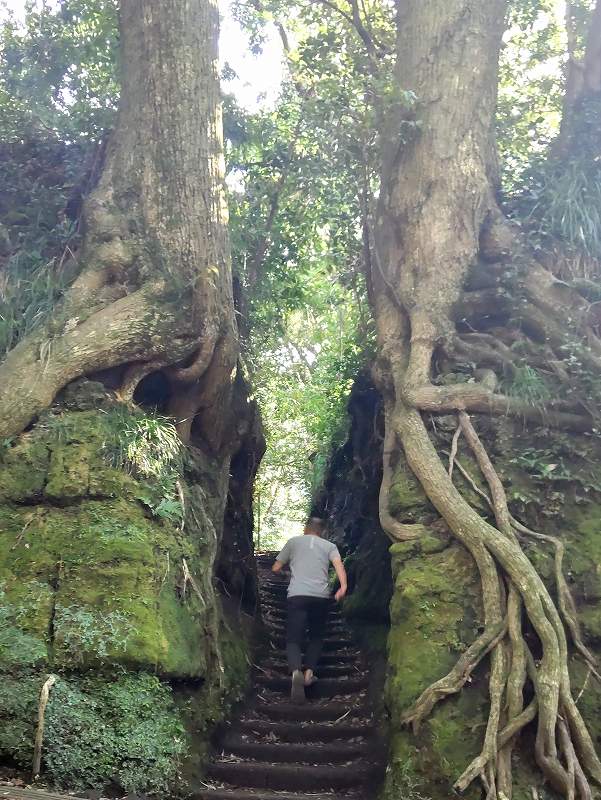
(326,748)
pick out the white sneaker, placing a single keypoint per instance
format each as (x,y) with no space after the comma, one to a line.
(297,692)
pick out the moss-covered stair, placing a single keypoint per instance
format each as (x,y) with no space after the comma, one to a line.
(275,750)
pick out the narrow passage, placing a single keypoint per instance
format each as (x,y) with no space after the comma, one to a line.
(278,750)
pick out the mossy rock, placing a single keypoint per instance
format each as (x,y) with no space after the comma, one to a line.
(427,765)
(107,574)
(435,614)
(115,597)
(24,470)
(406,497)
(92,589)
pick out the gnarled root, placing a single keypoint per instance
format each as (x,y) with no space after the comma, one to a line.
(395,530)
(564,750)
(457,677)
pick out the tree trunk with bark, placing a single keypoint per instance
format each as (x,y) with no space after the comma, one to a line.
(154,284)
(440,237)
(89,531)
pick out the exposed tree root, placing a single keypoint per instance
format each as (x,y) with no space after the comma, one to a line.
(134,374)
(397,531)
(476,397)
(199,365)
(39,734)
(564,750)
(566,601)
(567,605)
(457,677)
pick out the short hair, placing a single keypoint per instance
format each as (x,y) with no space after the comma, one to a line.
(316,524)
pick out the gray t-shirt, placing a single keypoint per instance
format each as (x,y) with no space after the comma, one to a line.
(309,558)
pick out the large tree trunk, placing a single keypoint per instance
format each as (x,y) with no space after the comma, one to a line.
(437,225)
(154,287)
(89,532)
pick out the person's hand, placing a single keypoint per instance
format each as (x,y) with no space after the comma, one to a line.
(340,594)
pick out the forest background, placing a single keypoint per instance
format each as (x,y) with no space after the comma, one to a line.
(301,136)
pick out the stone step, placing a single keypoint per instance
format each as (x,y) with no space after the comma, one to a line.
(278,613)
(222,793)
(338,657)
(274,587)
(249,747)
(328,687)
(334,711)
(303,731)
(279,668)
(292,777)
(269,618)
(329,643)
(332,630)
(332,625)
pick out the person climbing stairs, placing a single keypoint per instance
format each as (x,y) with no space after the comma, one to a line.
(276,749)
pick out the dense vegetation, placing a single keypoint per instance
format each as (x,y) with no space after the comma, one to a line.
(319,298)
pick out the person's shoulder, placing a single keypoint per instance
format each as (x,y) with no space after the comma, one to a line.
(328,545)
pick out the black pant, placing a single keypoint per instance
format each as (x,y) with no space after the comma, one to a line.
(305,613)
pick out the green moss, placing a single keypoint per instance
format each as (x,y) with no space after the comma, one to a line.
(584,548)
(588,691)
(23,470)
(127,728)
(23,627)
(18,707)
(68,474)
(583,566)
(406,496)
(92,589)
(234,652)
(111,574)
(435,613)
(401,551)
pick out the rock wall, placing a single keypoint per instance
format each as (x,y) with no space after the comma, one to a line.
(553,481)
(236,569)
(109,537)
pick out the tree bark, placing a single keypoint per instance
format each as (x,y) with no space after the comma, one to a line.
(155,277)
(583,79)
(437,218)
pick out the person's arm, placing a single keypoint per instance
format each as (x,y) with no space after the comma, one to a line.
(341,573)
(282,559)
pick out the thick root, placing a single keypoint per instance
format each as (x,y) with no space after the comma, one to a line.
(564,750)
(395,530)
(457,677)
